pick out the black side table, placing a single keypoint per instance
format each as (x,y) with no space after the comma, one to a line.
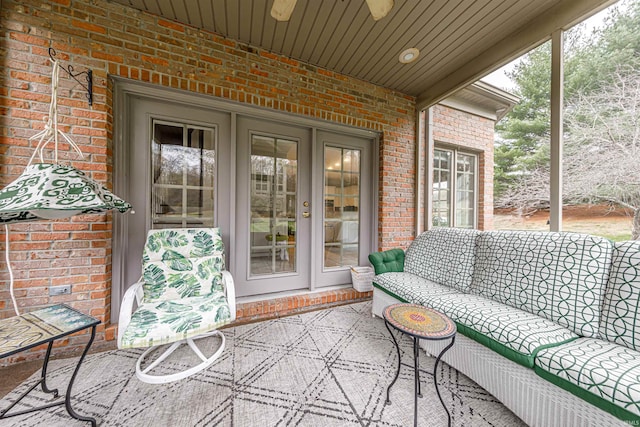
(419,322)
(44,326)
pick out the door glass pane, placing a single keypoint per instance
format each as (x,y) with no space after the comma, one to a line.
(441,188)
(341,206)
(274,189)
(200,162)
(184,169)
(465,190)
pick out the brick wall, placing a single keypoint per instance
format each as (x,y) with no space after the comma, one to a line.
(474,133)
(115,40)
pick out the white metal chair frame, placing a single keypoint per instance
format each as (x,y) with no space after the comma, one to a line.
(135,294)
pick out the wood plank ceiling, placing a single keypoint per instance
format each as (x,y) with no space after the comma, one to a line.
(459,40)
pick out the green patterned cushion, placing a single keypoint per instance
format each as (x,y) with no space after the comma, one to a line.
(558,276)
(514,333)
(162,322)
(408,287)
(620,313)
(387,261)
(180,263)
(600,372)
(443,255)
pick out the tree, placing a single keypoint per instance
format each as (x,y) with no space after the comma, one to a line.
(602,145)
(523,144)
(601,152)
(601,128)
(525,130)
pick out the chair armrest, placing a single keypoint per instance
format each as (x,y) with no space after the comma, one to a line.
(387,261)
(133,294)
(230,292)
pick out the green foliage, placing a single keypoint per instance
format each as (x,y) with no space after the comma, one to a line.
(182,321)
(187,285)
(210,271)
(173,307)
(604,51)
(203,244)
(166,239)
(155,280)
(222,313)
(176,261)
(592,65)
(524,130)
(141,322)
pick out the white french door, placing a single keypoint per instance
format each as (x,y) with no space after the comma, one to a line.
(344,189)
(295,204)
(176,167)
(274,207)
(305,207)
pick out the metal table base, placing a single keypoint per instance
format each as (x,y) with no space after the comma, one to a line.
(416,367)
(47,333)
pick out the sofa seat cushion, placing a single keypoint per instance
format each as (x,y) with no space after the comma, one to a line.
(515,334)
(600,372)
(409,287)
(443,255)
(620,309)
(558,276)
(160,322)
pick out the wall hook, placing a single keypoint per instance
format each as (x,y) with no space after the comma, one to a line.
(88,75)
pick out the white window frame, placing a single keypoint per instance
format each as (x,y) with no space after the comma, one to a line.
(453,174)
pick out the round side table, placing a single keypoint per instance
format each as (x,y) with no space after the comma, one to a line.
(419,322)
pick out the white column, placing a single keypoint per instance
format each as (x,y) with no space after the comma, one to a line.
(555,220)
(418,199)
(428,186)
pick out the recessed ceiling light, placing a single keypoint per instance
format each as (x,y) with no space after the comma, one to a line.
(409,55)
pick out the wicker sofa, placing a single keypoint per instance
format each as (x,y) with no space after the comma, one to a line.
(547,322)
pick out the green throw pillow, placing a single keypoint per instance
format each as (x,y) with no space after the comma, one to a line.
(387,261)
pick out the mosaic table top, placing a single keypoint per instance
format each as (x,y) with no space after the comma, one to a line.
(40,326)
(419,321)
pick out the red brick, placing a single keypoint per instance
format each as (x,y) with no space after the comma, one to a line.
(89,26)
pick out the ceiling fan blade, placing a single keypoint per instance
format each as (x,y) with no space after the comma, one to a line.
(282,9)
(379,8)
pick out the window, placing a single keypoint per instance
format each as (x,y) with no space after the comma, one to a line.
(454,188)
(184,169)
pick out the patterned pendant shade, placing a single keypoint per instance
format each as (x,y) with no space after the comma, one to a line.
(49,191)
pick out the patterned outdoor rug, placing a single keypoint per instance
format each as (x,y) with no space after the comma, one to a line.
(323,368)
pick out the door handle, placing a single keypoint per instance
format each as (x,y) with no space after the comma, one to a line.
(306,214)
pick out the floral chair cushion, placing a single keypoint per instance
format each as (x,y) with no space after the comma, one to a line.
(182,263)
(162,322)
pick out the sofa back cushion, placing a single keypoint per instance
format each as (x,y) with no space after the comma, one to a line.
(443,255)
(558,276)
(620,313)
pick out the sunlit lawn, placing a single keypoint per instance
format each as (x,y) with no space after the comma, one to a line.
(596,220)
